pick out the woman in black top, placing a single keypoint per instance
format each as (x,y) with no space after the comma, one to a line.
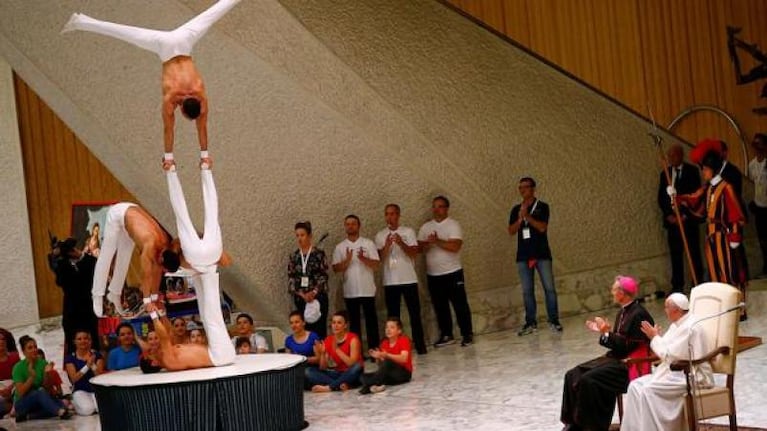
(308,278)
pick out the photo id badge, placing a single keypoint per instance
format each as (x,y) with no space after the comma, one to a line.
(304,281)
(526,233)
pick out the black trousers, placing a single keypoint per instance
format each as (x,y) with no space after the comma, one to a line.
(760,220)
(410,292)
(320,327)
(590,391)
(444,290)
(368,305)
(388,373)
(678,258)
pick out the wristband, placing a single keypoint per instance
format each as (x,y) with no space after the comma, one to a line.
(153,315)
(154,297)
(84,369)
(168,156)
(147,300)
(204,154)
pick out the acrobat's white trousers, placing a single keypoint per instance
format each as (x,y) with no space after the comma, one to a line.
(166,44)
(203,255)
(118,245)
(220,348)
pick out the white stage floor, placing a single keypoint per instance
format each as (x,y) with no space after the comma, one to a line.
(503,382)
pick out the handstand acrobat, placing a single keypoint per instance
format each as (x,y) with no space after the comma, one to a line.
(181,82)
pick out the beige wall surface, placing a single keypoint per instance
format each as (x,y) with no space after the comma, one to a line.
(320,109)
(18,301)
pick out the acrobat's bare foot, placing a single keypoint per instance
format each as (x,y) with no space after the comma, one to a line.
(169,165)
(70,25)
(344,387)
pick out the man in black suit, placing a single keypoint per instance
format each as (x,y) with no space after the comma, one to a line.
(685,179)
(734,177)
(590,389)
(74,274)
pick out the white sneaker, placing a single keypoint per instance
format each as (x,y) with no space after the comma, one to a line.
(376,389)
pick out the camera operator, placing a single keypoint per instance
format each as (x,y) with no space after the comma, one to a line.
(74,274)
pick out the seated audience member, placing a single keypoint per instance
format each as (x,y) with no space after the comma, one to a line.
(394,358)
(245,329)
(30,376)
(590,389)
(301,341)
(180,334)
(656,401)
(149,361)
(81,365)
(8,358)
(340,358)
(127,352)
(242,345)
(197,336)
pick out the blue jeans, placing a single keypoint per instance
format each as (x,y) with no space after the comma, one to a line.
(334,378)
(526,275)
(38,403)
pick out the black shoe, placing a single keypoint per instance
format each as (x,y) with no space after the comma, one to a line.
(555,327)
(421,351)
(444,341)
(527,329)
(21,418)
(467,341)
(364,390)
(66,415)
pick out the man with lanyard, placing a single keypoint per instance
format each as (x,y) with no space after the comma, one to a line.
(529,220)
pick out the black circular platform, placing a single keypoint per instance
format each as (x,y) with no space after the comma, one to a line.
(258,392)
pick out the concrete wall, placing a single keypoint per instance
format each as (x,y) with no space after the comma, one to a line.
(320,108)
(18,301)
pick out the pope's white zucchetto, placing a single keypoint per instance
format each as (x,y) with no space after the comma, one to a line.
(680,300)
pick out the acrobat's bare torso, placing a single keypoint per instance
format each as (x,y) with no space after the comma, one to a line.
(151,241)
(180,81)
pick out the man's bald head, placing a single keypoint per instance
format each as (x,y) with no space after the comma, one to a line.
(675,154)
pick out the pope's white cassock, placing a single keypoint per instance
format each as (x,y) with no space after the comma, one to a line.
(656,401)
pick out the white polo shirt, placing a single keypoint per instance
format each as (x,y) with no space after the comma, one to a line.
(358,278)
(398,267)
(438,260)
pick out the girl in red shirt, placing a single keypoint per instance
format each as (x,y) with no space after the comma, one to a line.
(341,362)
(395,360)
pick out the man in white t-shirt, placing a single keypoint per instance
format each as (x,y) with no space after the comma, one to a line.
(398,246)
(441,239)
(757,171)
(356,258)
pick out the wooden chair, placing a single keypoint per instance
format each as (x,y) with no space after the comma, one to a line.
(709,299)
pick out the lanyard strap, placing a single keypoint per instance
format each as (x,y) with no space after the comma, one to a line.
(532,210)
(304,260)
